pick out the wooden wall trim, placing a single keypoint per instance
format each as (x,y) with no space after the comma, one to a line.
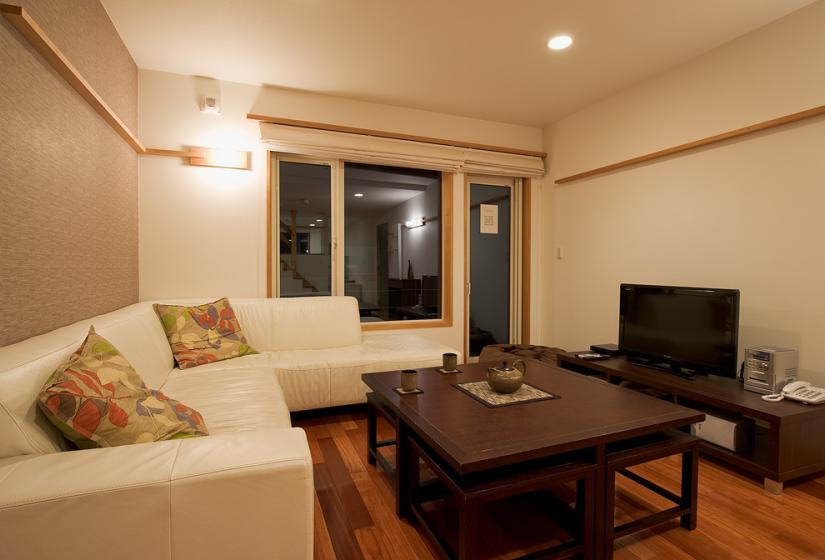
(37,38)
(20,19)
(739,132)
(526,252)
(393,135)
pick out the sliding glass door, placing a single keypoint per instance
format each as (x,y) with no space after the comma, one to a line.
(392,242)
(302,221)
(492,246)
(372,232)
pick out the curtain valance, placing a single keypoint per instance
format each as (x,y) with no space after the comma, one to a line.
(388,151)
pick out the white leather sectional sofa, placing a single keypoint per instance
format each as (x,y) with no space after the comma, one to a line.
(244,491)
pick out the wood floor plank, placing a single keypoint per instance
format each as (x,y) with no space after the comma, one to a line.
(322,542)
(370,544)
(341,533)
(738,520)
(349,423)
(354,508)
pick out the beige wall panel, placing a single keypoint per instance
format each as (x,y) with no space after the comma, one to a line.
(68,183)
(744,214)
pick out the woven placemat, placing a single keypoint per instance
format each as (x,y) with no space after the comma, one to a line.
(481,391)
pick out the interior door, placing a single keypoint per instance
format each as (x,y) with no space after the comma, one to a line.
(490,255)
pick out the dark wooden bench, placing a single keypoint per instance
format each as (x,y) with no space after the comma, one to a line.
(621,458)
(472,491)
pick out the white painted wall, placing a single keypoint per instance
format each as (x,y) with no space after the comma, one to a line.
(203,230)
(745,214)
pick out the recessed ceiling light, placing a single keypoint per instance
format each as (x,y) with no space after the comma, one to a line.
(311,225)
(319,220)
(560,42)
(358,195)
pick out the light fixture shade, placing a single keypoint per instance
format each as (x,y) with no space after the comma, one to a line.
(560,42)
(414,223)
(213,157)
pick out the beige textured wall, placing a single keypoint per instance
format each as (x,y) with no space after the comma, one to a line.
(745,214)
(68,183)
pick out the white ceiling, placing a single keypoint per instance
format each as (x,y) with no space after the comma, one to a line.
(478,58)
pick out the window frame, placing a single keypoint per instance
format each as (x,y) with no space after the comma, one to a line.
(337,228)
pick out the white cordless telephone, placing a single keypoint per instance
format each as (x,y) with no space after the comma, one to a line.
(801,391)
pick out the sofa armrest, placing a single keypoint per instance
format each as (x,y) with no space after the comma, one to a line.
(242,495)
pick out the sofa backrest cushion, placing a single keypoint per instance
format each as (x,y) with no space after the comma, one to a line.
(307,323)
(24,368)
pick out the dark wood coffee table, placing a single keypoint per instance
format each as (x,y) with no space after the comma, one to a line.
(469,439)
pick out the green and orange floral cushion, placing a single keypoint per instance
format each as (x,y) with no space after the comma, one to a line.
(97,399)
(203,333)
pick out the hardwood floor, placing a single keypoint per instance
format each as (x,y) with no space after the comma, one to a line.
(355,516)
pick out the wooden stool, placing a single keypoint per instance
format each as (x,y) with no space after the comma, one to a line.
(618,461)
(374,408)
(472,492)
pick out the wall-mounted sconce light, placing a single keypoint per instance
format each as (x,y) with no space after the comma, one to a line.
(211,157)
(414,223)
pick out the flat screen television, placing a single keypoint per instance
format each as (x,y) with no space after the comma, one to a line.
(684,330)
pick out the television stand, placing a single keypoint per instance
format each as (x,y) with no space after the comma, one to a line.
(786,446)
(663,366)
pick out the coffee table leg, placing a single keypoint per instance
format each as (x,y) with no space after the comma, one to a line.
(407,471)
(372,434)
(599,509)
(467,529)
(609,511)
(690,487)
(585,492)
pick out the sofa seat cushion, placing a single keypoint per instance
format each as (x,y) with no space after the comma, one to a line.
(332,376)
(232,400)
(262,360)
(308,376)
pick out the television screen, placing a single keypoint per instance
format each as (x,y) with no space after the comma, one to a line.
(692,328)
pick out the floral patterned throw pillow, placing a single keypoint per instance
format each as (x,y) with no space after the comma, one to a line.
(204,333)
(97,399)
